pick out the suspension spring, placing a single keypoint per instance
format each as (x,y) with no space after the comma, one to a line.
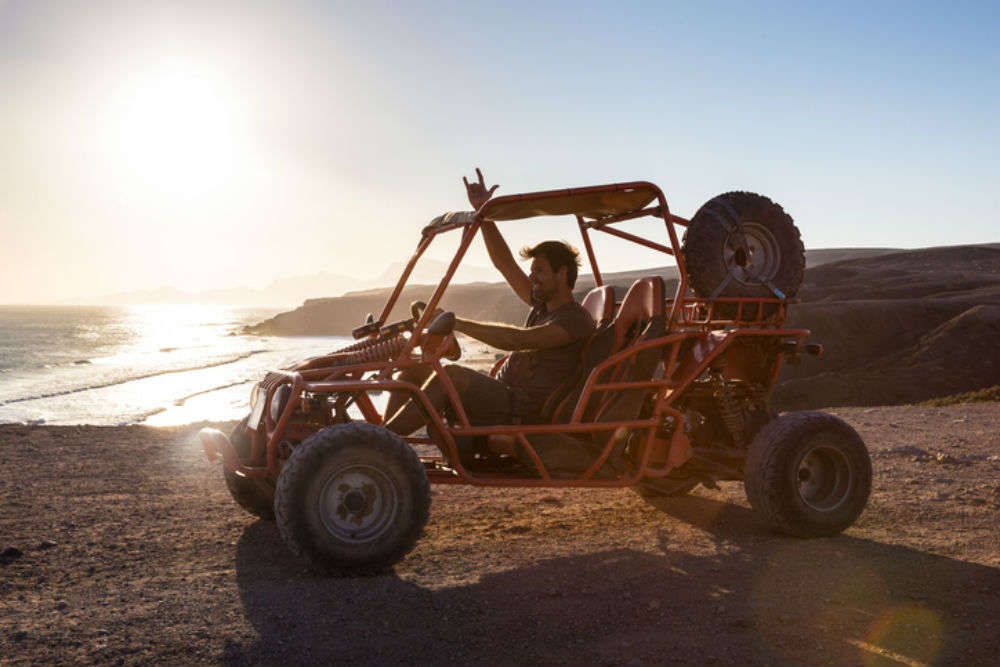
(381,351)
(371,351)
(729,411)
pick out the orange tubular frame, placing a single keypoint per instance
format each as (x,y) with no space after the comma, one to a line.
(342,372)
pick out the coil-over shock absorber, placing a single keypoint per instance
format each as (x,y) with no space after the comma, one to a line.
(381,350)
(377,349)
(729,409)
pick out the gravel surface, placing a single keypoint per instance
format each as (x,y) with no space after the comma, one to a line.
(121,546)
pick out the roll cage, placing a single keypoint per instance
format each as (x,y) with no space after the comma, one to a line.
(694,339)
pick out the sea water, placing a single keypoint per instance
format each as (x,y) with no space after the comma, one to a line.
(155,365)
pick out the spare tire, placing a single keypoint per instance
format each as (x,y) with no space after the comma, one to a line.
(742,244)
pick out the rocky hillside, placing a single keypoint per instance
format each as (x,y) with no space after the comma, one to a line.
(898,326)
(481,301)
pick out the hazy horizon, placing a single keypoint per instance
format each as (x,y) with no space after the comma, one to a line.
(215,145)
(292,286)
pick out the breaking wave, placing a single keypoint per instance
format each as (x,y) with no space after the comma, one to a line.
(183,399)
(133,378)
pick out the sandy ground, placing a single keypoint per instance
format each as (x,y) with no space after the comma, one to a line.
(131,552)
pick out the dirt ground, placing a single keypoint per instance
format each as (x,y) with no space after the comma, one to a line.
(121,546)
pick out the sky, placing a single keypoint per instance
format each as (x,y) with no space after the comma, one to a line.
(208,145)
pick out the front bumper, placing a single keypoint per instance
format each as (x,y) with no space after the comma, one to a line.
(217,446)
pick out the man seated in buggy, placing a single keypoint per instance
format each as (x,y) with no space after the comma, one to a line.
(546,350)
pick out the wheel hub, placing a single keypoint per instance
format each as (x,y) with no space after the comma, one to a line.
(824,478)
(751,254)
(354,501)
(358,503)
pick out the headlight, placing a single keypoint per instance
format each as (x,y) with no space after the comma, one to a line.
(254,396)
(279,400)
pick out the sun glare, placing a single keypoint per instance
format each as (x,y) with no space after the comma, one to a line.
(174,131)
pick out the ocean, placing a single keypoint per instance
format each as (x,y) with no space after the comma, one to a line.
(155,365)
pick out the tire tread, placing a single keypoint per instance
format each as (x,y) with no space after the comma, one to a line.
(705,237)
(309,455)
(764,469)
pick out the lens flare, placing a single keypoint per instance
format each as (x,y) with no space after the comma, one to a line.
(815,586)
(911,634)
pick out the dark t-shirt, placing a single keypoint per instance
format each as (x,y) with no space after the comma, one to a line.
(533,375)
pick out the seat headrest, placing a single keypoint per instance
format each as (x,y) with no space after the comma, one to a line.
(642,302)
(600,303)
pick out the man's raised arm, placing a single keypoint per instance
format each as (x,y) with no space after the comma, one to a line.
(498,249)
(502,258)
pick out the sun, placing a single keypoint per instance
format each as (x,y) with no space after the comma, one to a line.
(175,131)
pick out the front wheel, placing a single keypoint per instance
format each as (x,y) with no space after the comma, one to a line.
(352,498)
(808,474)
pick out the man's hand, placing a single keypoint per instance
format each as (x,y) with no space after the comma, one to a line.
(478,194)
(418,311)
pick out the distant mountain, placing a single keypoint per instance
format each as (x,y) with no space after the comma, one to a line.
(282,292)
(827,255)
(294,290)
(288,292)
(430,271)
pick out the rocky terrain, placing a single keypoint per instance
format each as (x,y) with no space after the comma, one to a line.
(120,545)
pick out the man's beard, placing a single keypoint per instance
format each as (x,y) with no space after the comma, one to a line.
(539,294)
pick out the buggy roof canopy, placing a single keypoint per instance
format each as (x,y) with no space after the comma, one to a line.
(594,202)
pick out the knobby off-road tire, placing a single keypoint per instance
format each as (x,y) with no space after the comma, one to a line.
(808,474)
(748,242)
(352,499)
(254,494)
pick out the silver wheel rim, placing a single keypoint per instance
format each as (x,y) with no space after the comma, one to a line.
(752,254)
(358,503)
(824,478)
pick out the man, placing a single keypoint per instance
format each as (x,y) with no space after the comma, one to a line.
(546,349)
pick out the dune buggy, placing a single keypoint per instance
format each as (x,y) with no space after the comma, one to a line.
(671,392)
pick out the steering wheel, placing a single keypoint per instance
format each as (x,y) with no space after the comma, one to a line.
(441,328)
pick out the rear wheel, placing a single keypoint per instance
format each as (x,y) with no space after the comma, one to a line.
(352,498)
(254,494)
(742,244)
(808,474)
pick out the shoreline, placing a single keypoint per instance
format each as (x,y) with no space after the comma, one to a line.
(475,355)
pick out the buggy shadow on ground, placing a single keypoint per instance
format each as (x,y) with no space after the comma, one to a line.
(759,599)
